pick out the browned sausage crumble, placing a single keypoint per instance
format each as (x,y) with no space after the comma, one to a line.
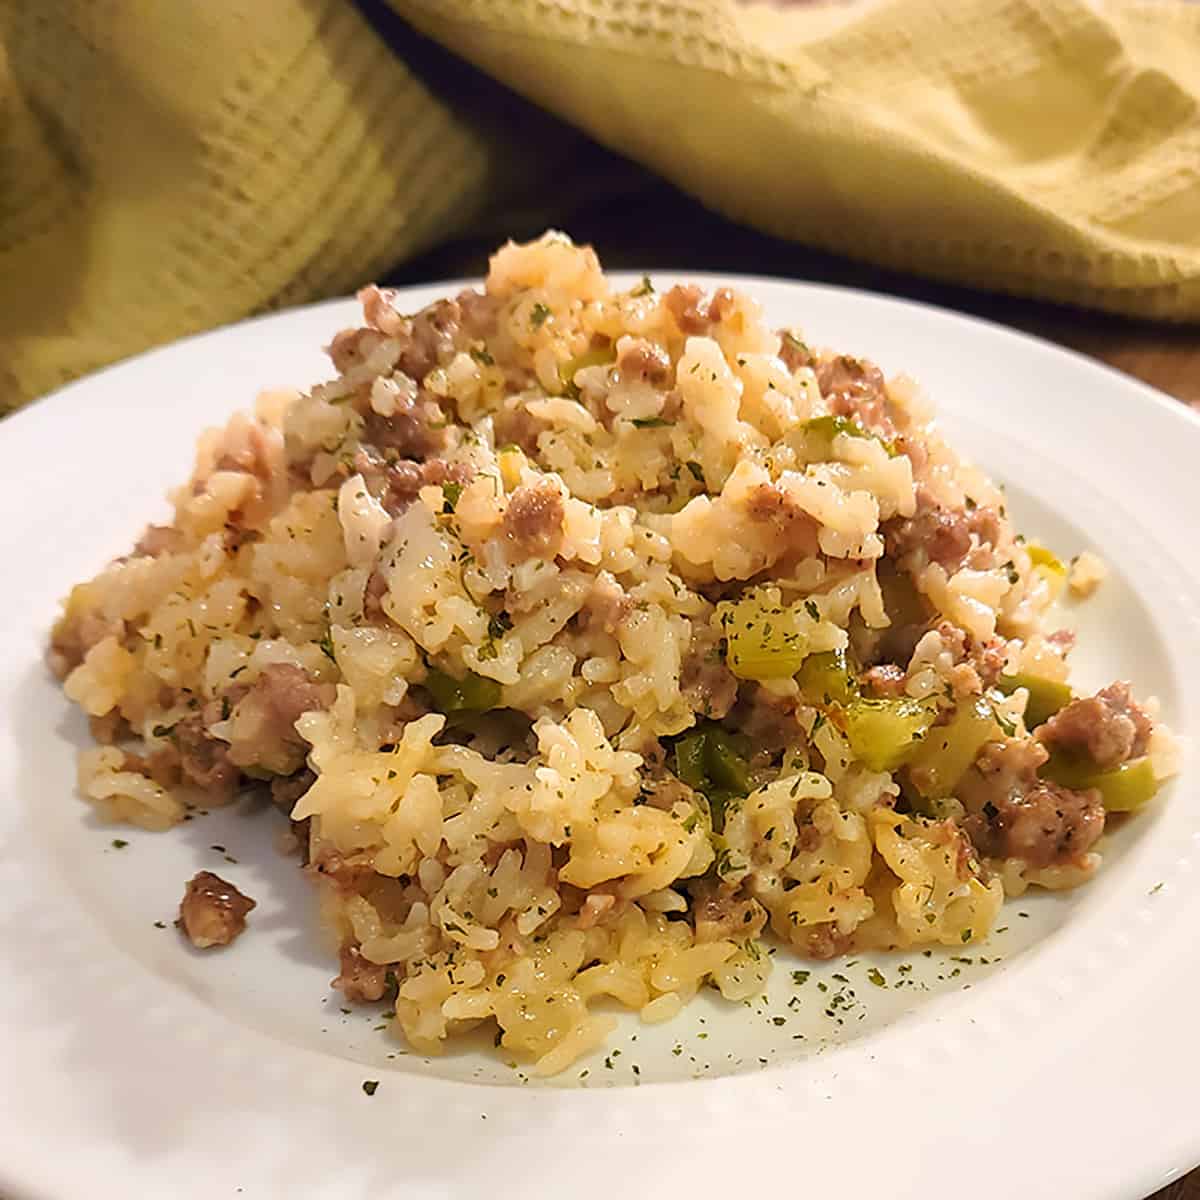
(212,911)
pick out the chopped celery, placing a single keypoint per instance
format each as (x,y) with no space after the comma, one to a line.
(826,428)
(1123,788)
(826,679)
(1041,557)
(948,750)
(884,734)
(830,426)
(594,356)
(1048,566)
(472,693)
(1046,696)
(763,640)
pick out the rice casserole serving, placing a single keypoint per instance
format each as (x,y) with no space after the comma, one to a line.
(592,641)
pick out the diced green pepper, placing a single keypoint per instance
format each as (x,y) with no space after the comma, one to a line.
(826,679)
(948,750)
(903,603)
(710,760)
(763,641)
(728,769)
(1046,696)
(884,734)
(689,758)
(719,800)
(472,693)
(1123,788)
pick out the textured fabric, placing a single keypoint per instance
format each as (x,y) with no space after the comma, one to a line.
(167,167)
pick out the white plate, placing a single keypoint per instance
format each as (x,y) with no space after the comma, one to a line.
(134,1067)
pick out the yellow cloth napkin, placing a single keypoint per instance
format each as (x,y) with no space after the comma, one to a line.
(168,167)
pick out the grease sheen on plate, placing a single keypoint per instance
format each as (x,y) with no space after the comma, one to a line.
(269,978)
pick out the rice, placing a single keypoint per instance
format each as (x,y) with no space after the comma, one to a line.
(1088,572)
(591,638)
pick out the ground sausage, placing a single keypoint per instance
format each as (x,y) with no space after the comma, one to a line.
(433,336)
(406,478)
(396,482)
(73,637)
(360,981)
(212,911)
(380,312)
(794,352)
(1063,640)
(642,360)
(515,425)
(533,520)
(1014,814)
(989,658)
(402,480)
(262,724)
(1042,825)
(350,347)
(685,302)
(978,664)
(606,604)
(769,505)
(1109,727)
(941,533)
(720,913)
(913,448)
(426,340)
(808,838)
(663,791)
(855,388)
(707,684)
(479,313)
(373,594)
(822,941)
(417,429)
(770,724)
(162,766)
(203,759)
(350,876)
(285,791)
(887,679)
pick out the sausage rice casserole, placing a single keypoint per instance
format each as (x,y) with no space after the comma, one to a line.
(592,639)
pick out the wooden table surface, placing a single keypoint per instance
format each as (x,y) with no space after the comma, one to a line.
(659,228)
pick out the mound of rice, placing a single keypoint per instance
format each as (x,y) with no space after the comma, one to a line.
(588,637)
